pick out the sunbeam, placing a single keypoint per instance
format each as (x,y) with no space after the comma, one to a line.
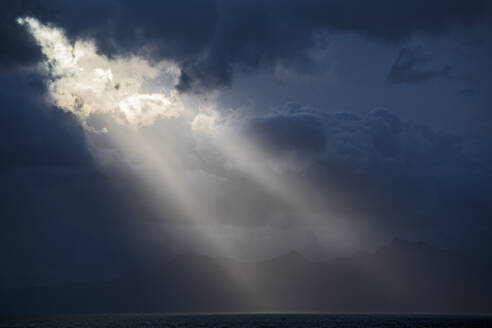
(209,156)
(99,91)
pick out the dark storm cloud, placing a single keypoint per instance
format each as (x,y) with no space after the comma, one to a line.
(212,39)
(397,174)
(284,133)
(167,29)
(170,29)
(17,48)
(413,67)
(261,34)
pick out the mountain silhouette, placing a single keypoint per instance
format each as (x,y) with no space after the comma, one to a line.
(399,277)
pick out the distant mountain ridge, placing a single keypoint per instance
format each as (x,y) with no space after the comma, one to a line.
(399,277)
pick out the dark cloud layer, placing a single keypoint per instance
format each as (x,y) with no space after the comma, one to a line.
(261,34)
(398,175)
(17,48)
(412,67)
(212,39)
(303,133)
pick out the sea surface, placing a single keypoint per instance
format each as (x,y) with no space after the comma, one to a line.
(249,321)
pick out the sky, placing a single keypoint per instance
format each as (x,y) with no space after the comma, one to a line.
(132,131)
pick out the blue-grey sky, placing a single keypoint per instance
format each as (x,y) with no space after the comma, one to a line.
(382,108)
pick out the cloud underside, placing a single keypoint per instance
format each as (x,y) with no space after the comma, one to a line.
(211,40)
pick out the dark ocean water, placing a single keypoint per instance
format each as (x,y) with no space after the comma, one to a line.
(250,320)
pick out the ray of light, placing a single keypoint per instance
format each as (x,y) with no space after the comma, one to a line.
(250,159)
(89,85)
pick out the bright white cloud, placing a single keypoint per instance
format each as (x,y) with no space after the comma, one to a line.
(87,83)
(205,122)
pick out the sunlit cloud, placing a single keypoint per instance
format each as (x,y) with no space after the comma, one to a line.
(87,83)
